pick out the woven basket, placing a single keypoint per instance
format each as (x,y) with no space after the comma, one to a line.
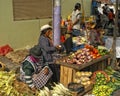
(94,76)
(2,66)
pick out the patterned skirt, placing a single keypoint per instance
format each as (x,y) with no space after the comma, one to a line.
(41,79)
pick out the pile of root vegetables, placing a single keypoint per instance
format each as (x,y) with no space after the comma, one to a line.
(84,55)
(83,77)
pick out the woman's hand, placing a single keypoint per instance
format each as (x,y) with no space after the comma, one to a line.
(33,89)
(58,47)
(46,70)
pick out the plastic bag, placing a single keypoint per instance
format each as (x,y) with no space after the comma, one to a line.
(5,49)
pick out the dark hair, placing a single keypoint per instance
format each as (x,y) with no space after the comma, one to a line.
(106,4)
(111,10)
(77,6)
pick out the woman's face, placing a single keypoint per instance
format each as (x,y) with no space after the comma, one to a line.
(49,34)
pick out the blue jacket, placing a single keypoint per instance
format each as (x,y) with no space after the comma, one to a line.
(47,48)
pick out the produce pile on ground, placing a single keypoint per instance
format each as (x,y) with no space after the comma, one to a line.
(18,55)
(106,82)
(60,90)
(86,54)
(10,86)
(57,89)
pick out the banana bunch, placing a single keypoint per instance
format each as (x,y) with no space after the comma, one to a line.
(7,88)
(6,82)
(60,90)
(44,92)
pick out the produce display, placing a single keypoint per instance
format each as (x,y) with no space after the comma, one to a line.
(84,55)
(102,50)
(114,75)
(100,87)
(60,90)
(83,78)
(102,90)
(79,40)
(80,57)
(6,81)
(10,86)
(17,56)
(106,82)
(57,90)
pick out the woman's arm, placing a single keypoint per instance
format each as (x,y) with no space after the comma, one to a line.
(45,44)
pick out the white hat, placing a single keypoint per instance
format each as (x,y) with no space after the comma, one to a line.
(45,27)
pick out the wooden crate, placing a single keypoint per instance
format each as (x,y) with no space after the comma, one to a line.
(66,75)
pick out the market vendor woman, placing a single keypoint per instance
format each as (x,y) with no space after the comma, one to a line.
(33,71)
(49,50)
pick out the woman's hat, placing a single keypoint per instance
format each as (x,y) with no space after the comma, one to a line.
(36,51)
(45,27)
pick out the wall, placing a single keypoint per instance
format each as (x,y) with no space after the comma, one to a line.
(68,6)
(19,34)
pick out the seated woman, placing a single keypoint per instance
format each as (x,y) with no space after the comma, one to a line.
(33,71)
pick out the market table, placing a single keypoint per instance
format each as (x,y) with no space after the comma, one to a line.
(67,71)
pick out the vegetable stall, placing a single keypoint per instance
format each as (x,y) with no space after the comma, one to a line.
(78,68)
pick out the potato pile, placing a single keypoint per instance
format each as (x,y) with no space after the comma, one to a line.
(83,78)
